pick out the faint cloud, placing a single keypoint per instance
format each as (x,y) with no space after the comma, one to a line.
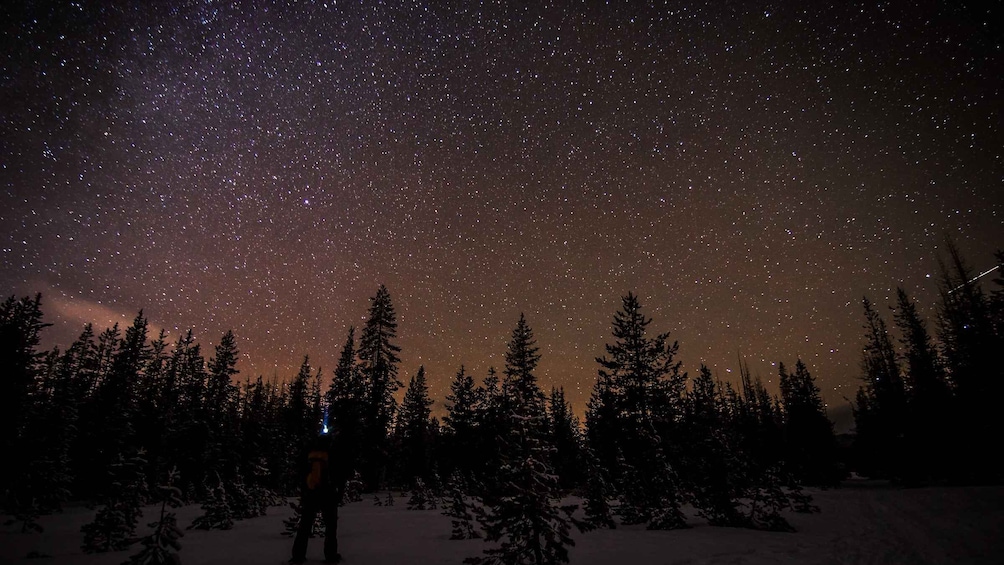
(76,311)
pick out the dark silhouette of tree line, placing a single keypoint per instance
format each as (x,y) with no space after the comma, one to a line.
(118,411)
(927,409)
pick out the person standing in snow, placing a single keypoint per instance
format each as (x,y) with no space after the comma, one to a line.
(321,491)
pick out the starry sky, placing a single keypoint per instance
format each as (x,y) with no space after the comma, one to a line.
(750,170)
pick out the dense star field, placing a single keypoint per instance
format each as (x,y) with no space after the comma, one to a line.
(750,171)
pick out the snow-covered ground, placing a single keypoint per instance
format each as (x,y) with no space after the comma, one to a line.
(861,523)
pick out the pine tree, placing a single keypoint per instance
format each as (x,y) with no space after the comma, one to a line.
(461,423)
(20,328)
(492,426)
(115,523)
(346,399)
(301,422)
(563,429)
(260,458)
(602,426)
(767,500)
(457,508)
(184,398)
(422,497)
(598,493)
(714,458)
(928,420)
(162,545)
(153,419)
(221,410)
(524,516)
(971,340)
(353,489)
(879,425)
(378,357)
(810,444)
(412,430)
(641,379)
(41,478)
(216,512)
(113,412)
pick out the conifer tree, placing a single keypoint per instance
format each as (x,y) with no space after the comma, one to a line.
(94,452)
(221,410)
(346,399)
(160,547)
(602,425)
(971,341)
(492,426)
(879,420)
(115,523)
(458,509)
(216,512)
(113,412)
(598,493)
(353,489)
(461,433)
(524,517)
(422,497)
(378,357)
(41,479)
(810,444)
(646,385)
(714,470)
(413,433)
(153,422)
(301,423)
(928,417)
(20,328)
(967,334)
(183,396)
(563,429)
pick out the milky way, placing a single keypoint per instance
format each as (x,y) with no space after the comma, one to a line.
(751,171)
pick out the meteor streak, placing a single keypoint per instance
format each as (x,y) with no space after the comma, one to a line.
(977,277)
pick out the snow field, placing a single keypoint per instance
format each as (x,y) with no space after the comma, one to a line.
(863,523)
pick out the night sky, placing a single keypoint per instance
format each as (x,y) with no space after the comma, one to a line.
(749,170)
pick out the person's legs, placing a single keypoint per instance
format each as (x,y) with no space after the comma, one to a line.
(330,513)
(308,513)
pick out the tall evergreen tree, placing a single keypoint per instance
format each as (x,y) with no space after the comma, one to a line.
(810,444)
(112,412)
(492,425)
(713,472)
(564,433)
(115,523)
(879,419)
(347,399)
(647,387)
(412,430)
(221,410)
(971,342)
(928,395)
(301,422)
(525,517)
(160,547)
(378,357)
(20,328)
(602,427)
(461,431)
(183,399)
